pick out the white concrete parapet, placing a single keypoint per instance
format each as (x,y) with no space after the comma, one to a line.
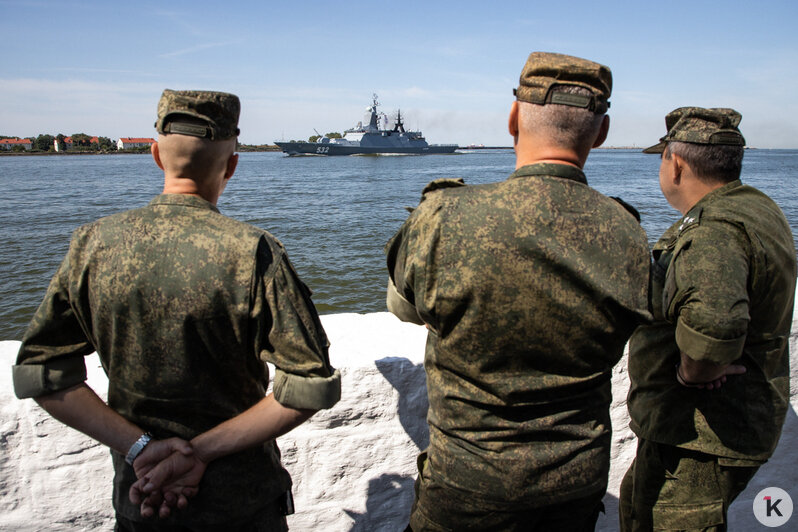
(353,465)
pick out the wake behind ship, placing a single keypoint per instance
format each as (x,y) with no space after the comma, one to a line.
(369,139)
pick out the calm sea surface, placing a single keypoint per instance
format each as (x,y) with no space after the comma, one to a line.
(333,214)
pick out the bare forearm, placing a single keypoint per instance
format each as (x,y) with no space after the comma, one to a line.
(82,409)
(264,421)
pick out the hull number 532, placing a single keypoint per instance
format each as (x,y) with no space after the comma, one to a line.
(323,149)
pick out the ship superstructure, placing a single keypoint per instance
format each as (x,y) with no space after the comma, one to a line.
(369,139)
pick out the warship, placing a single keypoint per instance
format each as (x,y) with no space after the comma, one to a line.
(369,139)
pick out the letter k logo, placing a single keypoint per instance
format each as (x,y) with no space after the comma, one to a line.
(772,506)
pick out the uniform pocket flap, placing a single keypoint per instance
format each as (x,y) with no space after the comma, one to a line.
(687,516)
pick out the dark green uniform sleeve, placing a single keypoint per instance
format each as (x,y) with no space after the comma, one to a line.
(710,305)
(51,355)
(400,277)
(292,338)
(409,253)
(400,298)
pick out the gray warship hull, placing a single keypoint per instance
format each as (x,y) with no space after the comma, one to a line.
(318,148)
(369,140)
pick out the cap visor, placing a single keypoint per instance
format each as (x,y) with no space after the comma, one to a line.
(656,148)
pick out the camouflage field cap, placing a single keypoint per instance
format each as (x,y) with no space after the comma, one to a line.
(219,111)
(701,126)
(544,71)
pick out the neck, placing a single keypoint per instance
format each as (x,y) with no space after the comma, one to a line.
(695,193)
(532,151)
(189,187)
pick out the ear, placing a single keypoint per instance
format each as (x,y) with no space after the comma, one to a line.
(232,163)
(512,124)
(603,130)
(156,155)
(678,165)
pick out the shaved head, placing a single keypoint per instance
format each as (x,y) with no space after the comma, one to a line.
(194,158)
(569,127)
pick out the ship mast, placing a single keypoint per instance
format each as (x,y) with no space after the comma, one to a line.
(373,123)
(398,125)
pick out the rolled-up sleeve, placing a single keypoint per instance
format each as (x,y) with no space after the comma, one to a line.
(292,338)
(700,346)
(401,307)
(34,380)
(315,393)
(51,357)
(710,306)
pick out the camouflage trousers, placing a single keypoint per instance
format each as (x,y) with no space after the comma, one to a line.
(270,519)
(670,488)
(438,508)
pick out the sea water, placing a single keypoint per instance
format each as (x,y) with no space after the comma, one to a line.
(334,214)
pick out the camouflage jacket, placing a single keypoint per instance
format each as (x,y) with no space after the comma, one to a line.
(184,307)
(722,291)
(530,289)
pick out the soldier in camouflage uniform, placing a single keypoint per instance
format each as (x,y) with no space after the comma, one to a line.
(184,307)
(529,288)
(722,290)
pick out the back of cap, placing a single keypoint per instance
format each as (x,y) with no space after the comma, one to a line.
(214,114)
(544,71)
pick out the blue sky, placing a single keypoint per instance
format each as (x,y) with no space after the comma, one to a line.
(99,67)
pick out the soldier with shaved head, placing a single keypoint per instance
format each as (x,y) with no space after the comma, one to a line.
(529,288)
(184,307)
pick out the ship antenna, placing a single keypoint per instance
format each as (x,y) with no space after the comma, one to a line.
(398,124)
(373,120)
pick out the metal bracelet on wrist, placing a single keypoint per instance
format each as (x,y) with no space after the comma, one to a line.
(137,447)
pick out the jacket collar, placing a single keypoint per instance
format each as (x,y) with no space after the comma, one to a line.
(184,200)
(565,171)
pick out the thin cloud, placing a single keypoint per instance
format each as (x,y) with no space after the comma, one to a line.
(67,89)
(416,92)
(100,70)
(179,19)
(198,48)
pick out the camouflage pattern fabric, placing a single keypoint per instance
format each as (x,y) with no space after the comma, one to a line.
(530,289)
(184,307)
(544,71)
(722,291)
(437,184)
(220,110)
(669,488)
(697,125)
(443,509)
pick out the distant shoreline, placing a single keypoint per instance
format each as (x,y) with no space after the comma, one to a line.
(242,148)
(245,148)
(48,153)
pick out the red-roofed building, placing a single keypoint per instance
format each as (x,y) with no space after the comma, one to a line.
(8,144)
(125,143)
(68,142)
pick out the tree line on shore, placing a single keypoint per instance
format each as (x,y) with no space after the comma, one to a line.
(80,142)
